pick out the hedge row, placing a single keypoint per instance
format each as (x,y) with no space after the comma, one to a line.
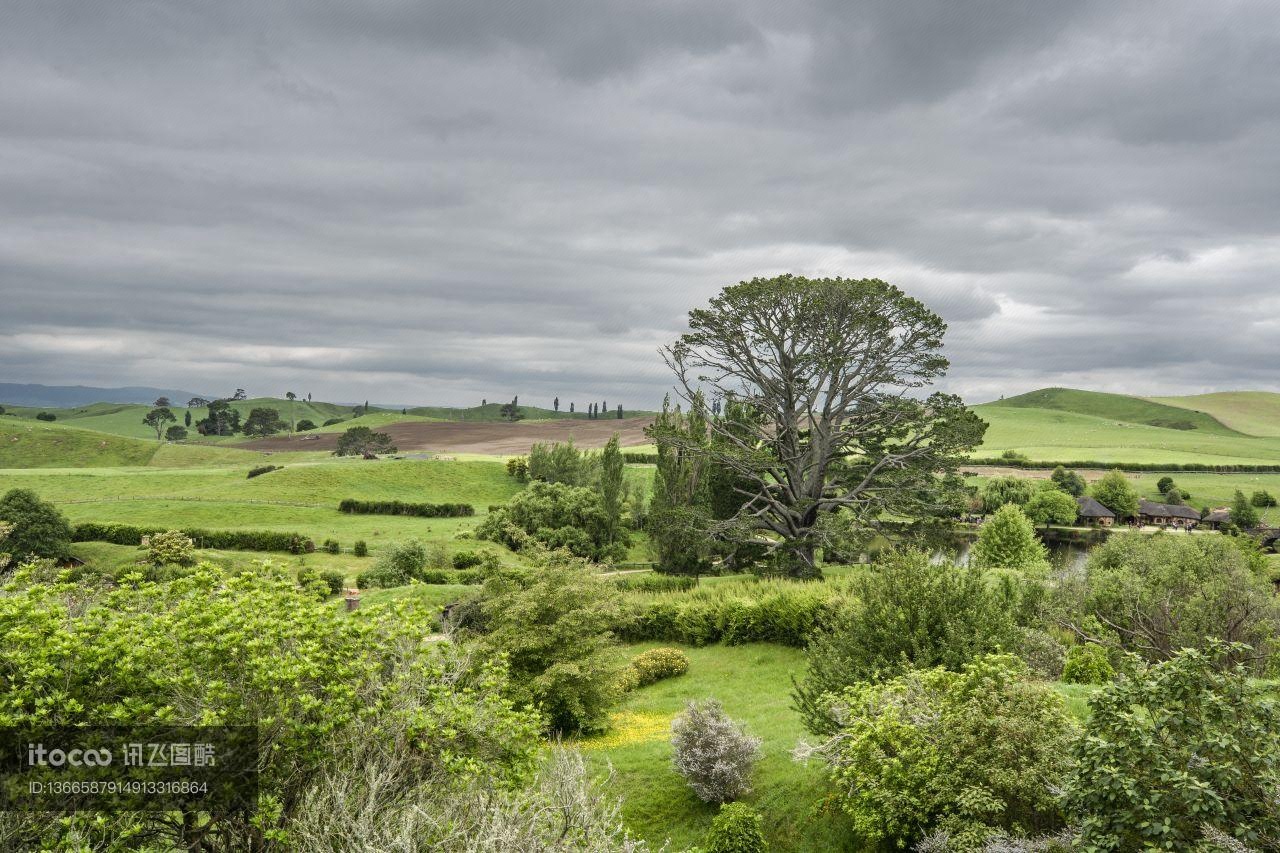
(352,505)
(232,540)
(783,612)
(640,458)
(385,578)
(1160,467)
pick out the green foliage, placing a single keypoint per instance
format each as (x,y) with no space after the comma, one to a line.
(222,419)
(46,416)
(1087,663)
(561,462)
(397,564)
(263,421)
(362,441)
(554,515)
(999,491)
(332,546)
(1008,540)
(654,582)
(774,611)
(306,425)
(1165,592)
(1262,499)
(232,540)
(518,468)
(611,484)
(360,548)
(654,665)
(158,418)
(1243,514)
(906,613)
(1052,506)
(418,510)
(1182,745)
(216,648)
(262,469)
(552,621)
(736,829)
(1068,481)
(969,753)
(680,515)
(175,433)
(172,547)
(1164,484)
(1114,492)
(39,529)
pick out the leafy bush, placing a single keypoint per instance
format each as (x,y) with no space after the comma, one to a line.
(1165,592)
(231,540)
(736,829)
(1087,663)
(360,549)
(238,648)
(1008,541)
(1181,745)
(552,622)
(1070,481)
(305,425)
(654,582)
(1052,506)
(467,559)
(714,754)
(656,664)
(1262,499)
(1044,654)
(362,441)
(905,613)
(39,529)
(562,462)
(556,516)
(333,421)
(46,416)
(969,753)
(263,469)
(999,491)
(173,547)
(448,510)
(263,421)
(332,579)
(175,433)
(1114,492)
(331,546)
(518,468)
(772,611)
(397,564)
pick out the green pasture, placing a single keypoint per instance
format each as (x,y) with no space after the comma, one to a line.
(1116,407)
(1054,435)
(1249,412)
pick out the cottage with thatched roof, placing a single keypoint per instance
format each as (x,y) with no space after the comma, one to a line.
(1094,513)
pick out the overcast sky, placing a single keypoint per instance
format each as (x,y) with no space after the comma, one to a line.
(428,201)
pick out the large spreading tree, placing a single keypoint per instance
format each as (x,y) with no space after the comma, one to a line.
(828,378)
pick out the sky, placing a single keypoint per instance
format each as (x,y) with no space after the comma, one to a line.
(415,201)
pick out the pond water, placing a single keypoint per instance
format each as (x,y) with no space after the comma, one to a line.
(1066,555)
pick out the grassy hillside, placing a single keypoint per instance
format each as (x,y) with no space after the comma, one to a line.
(1117,407)
(1051,435)
(1250,412)
(126,419)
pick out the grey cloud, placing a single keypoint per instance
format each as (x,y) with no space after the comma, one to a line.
(444,201)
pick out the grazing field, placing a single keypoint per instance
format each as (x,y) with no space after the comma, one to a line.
(1116,407)
(1054,435)
(1250,412)
(479,437)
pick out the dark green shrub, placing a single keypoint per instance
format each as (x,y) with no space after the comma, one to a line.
(263,469)
(554,515)
(334,580)
(1181,746)
(1087,663)
(46,416)
(230,540)
(654,582)
(904,613)
(360,549)
(736,829)
(467,559)
(305,425)
(332,546)
(333,421)
(449,510)
(39,529)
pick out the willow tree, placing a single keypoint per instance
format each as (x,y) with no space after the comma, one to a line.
(831,415)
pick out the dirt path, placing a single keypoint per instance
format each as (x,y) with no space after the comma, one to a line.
(462,437)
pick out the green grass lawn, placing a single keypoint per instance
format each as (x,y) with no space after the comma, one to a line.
(753,682)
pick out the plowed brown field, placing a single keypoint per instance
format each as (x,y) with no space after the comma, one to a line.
(462,437)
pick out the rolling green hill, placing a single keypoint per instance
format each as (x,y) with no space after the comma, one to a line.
(492,412)
(1250,412)
(1118,407)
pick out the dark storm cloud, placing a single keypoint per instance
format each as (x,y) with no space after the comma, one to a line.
(442,201)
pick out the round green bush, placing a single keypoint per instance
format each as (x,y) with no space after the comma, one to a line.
(360,549)
(656,664)
(1087,664)
(39,529)
(736,829)
(173,547)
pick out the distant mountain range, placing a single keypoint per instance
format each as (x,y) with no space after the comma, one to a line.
(70,396)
